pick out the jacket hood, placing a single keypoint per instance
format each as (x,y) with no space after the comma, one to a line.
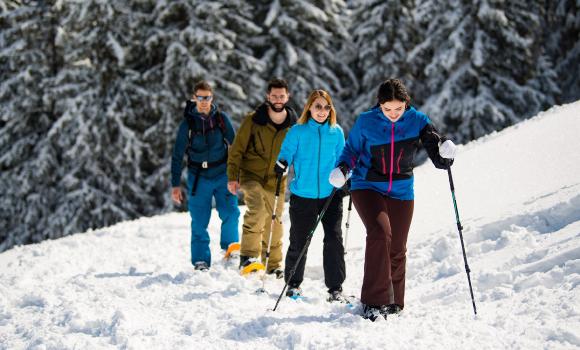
(196,114)
(261,116)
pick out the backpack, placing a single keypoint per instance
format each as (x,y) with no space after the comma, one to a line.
(194,130)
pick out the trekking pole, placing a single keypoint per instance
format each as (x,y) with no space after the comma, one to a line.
(347,222)
(278,182)
(306,244)
(460,228)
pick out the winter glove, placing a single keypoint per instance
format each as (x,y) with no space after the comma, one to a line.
(338,176)
(281,167)
(447,149)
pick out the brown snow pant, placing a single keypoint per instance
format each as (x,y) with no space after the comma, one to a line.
(387,222)
(257,223)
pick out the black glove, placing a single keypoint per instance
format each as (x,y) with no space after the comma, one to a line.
(280,167)
(448,162)
(442,163)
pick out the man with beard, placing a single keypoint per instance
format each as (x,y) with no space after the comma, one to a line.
(251,161)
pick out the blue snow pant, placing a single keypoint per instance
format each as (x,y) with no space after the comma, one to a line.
(200,206)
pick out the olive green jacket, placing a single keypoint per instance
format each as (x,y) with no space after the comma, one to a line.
(255,149)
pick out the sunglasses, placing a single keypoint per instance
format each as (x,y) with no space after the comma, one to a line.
(203,98)
(319,107)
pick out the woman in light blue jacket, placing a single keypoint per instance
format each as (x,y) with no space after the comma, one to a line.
(313,146)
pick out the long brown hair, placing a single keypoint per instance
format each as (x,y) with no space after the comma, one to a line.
(313,96)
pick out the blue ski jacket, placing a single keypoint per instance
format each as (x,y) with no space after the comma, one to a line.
(313,149)
(381,153)
(205,139)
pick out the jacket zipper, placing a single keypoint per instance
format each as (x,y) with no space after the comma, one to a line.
(392,157)
(318,169)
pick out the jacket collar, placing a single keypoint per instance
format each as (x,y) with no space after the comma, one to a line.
(261,116)
(314,124)
(410,110)
(196,114)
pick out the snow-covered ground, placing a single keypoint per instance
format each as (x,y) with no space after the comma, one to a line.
(131,286)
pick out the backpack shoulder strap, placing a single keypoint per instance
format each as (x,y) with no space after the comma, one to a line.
(221,124)
(188,116)
(220,120)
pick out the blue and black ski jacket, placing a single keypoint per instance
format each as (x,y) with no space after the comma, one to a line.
(381,153)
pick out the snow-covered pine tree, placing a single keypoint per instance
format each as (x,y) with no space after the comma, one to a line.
(106,166)
(206,40)
(383,32)
(28,63)
(563,43)
(94,148)
(481,64)
(91,91)
(308,44)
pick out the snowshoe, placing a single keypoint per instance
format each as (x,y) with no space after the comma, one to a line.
(232,251)
(372,313)
(391,309)
(294,293)
(200,266)
(250,265)
(336,296)
(278,272)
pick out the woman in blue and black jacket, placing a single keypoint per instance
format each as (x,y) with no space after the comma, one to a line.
(313,146)
(380,151)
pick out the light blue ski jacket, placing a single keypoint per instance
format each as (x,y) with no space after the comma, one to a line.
(313,149)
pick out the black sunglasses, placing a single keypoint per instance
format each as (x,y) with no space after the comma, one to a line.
(318,107)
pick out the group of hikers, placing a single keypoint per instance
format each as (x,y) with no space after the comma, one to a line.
(376,160)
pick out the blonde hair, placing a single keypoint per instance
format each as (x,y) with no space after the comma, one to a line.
(313,96)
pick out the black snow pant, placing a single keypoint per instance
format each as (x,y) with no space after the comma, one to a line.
(303,215)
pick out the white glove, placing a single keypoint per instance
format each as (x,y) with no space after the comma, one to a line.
(337,178)
(447,150)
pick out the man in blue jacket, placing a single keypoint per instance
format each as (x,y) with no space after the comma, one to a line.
(205,135)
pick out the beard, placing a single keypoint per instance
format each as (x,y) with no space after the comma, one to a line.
(276,109)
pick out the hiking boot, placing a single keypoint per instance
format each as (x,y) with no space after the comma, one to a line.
(250,265)
(201,266)
(372,312)
(278,272)
(336,296)
(391,309)
(294,292)
(246,260)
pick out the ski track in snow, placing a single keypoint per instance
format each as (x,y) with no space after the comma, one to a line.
(130,286)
